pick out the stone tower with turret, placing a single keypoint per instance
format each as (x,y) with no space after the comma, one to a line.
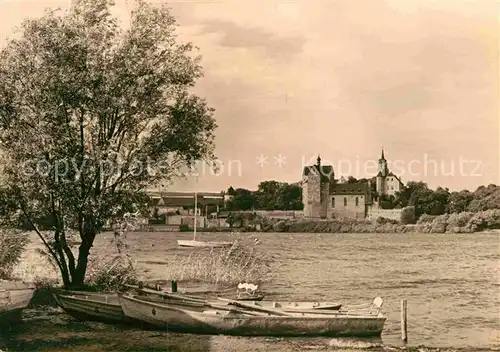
(316,180)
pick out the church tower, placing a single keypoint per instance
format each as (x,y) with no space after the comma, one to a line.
(383,171)
(388,184)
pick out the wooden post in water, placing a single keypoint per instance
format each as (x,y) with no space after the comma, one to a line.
(174,286)
(404,316)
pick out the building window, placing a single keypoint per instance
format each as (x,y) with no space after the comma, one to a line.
(345,201)
(357,201)
(333,202)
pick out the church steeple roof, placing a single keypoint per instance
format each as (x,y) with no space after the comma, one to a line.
(382,165)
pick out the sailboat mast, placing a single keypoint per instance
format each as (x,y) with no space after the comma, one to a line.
(195,213)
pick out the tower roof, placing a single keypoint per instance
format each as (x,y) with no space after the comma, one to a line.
(325,171)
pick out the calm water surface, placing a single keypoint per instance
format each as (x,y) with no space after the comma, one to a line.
(451,281)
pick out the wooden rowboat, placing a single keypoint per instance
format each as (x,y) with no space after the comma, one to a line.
(93,306)
(14,297)
(256,301)
(303,307)
(290,306)
(246,320)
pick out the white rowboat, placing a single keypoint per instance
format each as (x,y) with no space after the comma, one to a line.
(198,318)
(203,244)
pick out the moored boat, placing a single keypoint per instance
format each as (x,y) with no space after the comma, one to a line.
(203,244)
(237,318)
(200,244)
(288,306)
(255,301)
(94,306)
(14,297)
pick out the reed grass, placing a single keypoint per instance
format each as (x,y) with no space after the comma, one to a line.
(111,273)
(12,246)
(223,266)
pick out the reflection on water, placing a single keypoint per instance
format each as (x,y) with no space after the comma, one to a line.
(451,281)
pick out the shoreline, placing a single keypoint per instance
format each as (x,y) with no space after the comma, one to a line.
(393,229)
(464,222)
(45,328)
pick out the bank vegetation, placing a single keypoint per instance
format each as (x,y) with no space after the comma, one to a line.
(464,222)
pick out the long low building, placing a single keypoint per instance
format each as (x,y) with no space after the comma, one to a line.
(184,202)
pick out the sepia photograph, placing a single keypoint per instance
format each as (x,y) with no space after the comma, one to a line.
(249,175)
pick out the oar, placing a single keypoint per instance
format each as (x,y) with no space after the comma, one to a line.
(256,307)
(312,311)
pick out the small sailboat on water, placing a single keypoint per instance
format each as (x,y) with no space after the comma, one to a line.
(201,244)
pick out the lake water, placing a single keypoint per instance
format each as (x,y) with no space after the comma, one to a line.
(451,281)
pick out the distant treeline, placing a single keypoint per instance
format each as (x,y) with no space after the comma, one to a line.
(270,195)
(441,201)
(274,195)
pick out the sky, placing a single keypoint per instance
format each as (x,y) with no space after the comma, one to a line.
(293,79)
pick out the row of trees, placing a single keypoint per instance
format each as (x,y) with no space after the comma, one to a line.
(270,195)
(441,201)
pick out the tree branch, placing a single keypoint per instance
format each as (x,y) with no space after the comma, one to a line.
(54,255)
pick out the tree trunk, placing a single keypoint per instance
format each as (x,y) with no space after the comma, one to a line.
(63,266)
(81,267)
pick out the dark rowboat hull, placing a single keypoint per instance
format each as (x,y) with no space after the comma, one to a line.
(92,306)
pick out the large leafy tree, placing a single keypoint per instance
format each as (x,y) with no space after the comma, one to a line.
(485,198)
(91,114)
(290,197)
(242,199)
(424,199)
(267,195)
(459,201)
